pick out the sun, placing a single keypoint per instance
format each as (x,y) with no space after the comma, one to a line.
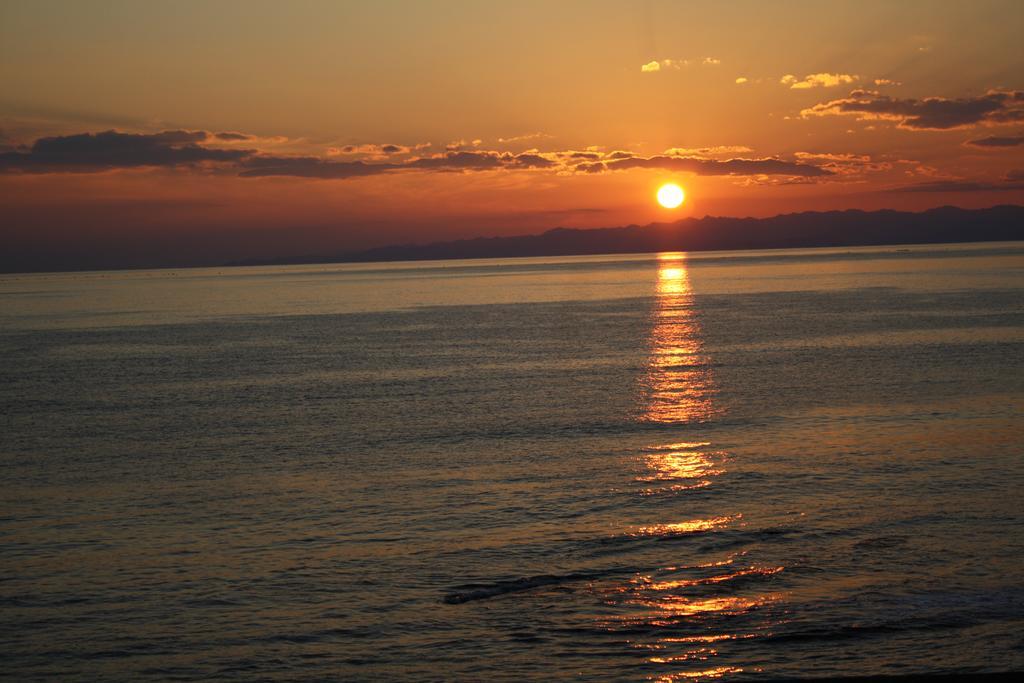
(670,195)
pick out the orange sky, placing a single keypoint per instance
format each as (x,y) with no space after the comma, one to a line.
(197,133)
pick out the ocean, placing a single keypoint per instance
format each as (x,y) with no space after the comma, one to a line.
(761,464)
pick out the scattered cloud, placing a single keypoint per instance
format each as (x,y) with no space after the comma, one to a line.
(664,64)
(376,151)
(916,168)
(822,80)
(463,144)
(564,162)
(476,160)
(741,80)
(886,81)
(998,141)
(96,152)
(844,164)
(931,113)
(656,65)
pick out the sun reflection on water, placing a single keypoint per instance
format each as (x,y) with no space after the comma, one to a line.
(706,674)
(684,616)
(678,378)
(690,527)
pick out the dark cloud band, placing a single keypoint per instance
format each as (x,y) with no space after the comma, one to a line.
(930,113)
(110,149)
(95,152)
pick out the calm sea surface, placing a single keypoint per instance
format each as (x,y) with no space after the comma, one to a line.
(756,464)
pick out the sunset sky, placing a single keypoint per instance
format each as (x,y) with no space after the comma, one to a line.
(179,133)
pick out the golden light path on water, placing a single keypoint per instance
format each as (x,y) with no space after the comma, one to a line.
(678,377)
(683,606)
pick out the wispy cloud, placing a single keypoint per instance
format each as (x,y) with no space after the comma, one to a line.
(708,151)
(741,80)
(526,137)
(934,113)
(711,61)
(997,141)
(822,80)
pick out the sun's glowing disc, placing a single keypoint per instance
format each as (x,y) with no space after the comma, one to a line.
(670,195)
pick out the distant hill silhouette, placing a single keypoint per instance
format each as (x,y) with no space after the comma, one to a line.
(808,229)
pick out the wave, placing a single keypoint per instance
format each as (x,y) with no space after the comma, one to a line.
(482,591)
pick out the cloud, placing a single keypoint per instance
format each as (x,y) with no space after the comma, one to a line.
(234,137)
(463,144)
(452,160)
(700,166)
(741,80)
(997,141)
(886,81)
(711,61)
(930,113)
(455,159)
(822,80)
(655,66)
(572,161)
(373,149)
(961,186)
(92,152)
(526,137)
(844,164)
(95,152)
(708,151)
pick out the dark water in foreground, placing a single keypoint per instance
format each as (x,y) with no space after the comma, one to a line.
(760,464)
